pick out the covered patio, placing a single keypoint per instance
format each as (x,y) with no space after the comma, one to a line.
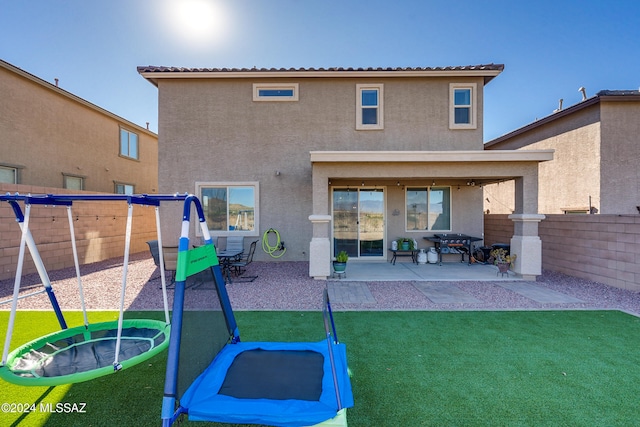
(389,175)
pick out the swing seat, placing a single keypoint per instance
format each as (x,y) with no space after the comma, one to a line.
(84,353)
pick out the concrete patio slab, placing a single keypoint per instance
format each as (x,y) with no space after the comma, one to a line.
(539,293)
(445,293)
(454,271)
(350,293)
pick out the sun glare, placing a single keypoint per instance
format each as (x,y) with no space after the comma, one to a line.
(200,22)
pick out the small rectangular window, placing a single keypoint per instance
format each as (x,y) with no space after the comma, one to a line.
(73,182)
(275,91)
(369,112)
(462,110)
(124,188)
(128,144)
(8,175)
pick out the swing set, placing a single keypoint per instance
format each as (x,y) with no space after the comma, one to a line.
(88,351)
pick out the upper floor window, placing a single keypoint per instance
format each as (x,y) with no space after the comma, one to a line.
(462,106)
(8,174)
(275,91)
(369,108)
(73,182)
(121,188)
(128,144)
(230,208)
(428,208)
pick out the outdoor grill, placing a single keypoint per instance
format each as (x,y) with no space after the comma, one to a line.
(458,242)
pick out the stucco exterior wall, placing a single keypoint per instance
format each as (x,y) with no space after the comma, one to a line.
(620,174)
(212,131)
(572,179)
(48,132)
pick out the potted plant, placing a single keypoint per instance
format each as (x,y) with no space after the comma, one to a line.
(405,244)
(502,259)
(340,263)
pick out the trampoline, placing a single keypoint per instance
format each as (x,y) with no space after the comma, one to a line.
(213,376)
(87,351)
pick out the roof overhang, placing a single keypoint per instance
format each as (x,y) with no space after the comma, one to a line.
(431,156)
(154,73)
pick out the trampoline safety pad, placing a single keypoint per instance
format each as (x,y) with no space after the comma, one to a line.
(252,383)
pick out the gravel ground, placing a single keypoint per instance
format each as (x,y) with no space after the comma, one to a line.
(287,286)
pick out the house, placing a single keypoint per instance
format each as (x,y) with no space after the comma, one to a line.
(53,138)
(339,158)
(595,167)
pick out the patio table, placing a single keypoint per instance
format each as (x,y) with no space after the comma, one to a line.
(399,252)
(226,257)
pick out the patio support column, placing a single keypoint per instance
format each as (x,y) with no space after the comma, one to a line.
(526,244)
(320,247)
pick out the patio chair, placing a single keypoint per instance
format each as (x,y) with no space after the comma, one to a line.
(235,243)
(240,267)
(170,254)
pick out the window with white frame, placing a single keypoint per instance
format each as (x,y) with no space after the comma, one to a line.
(122,188)
(428,208)
(462,106)
(275,91)
(230,208)
(73,182)
(369,107)
(128,144)
(8,175)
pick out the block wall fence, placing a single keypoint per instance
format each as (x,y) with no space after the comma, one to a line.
(602,248)
(99,229)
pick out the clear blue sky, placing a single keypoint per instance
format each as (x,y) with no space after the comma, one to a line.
(549,48)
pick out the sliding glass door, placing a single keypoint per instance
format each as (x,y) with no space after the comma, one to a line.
(358,222)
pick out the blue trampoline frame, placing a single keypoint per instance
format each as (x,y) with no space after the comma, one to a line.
(201,400)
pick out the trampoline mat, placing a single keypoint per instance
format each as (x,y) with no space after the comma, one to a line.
(275,374)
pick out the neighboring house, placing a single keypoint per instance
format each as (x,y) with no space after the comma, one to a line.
(52,138)
(595,166)
(339,158)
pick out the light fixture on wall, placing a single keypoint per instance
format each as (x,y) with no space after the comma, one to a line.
(433,183)
(362,183)
(471,183)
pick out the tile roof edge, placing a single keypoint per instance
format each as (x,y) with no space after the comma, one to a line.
(171,69)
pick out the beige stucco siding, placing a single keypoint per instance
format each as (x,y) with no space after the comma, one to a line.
(572,178)
(620,156)
(47,133)
(213,131)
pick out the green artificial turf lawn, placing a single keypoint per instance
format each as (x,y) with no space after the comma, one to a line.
(409,369)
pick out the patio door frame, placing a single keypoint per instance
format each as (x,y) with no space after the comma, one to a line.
(359,222)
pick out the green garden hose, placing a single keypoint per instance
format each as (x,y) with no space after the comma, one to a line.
(272,250)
